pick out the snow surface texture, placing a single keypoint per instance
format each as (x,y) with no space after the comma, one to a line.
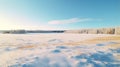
(41,50)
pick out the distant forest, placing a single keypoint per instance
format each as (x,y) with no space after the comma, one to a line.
(115,30)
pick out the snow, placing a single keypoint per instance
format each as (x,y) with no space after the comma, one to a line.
(45,50)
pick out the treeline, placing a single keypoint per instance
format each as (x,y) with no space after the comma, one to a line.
(45,31)
(115,30)
(30,31)
(14,31)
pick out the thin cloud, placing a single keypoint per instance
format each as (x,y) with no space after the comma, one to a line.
(72,20)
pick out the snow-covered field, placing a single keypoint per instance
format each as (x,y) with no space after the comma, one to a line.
(58,50)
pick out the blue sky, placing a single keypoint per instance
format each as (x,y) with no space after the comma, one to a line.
(59,14)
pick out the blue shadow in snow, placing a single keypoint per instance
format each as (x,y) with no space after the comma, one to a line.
(103,57)
(61,47)
(56,51)
(107,43)
(100,57)
(116,50)
(100,44)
